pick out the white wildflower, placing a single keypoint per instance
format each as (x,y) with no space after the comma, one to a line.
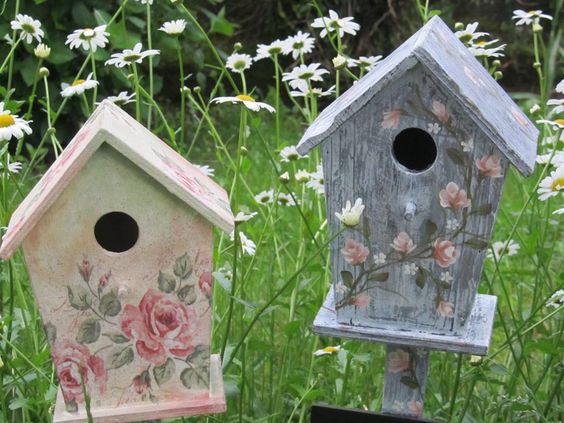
(305,91)
(350,215)
(317,181)
(264,51)
(78,86)
(238,62)
(366,63)
(248,101)
(42,51)
(205,169)
(122,98)
(12,125)
(174,27)
(244,217)
(302,75)
(556,300)
(130,56)
(334,23)
(88,38)
(530,17)
(298,45)
(302,176)
(247,245)
(265,197)
(327,351)
(469,34)
(552,184)
(286,199)
(503,248)
(28,27)
(290,154)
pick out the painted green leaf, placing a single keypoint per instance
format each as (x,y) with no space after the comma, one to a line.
(164,373)
(71,406)
(88,331)
(109,304)
(379,277)
(366,227)
(187,294)
(79,298)
(120,358)
(420,278)
(410,382)
(456,156)
(476,243)
(347,278)
(183,267)
(201,353)
(116,338)
(429,228)
(50,332)
(195,377)
(482,210)
(167,282)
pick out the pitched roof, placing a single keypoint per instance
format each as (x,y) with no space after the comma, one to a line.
(112,125)
(439,50)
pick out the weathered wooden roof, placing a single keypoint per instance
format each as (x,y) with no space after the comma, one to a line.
(112,125)
(437,48)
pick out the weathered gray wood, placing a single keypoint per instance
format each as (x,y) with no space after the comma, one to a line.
(443,55)
(475,341)
(405,380)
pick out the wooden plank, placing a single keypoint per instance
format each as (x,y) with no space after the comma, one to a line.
(211,404)
(475,341)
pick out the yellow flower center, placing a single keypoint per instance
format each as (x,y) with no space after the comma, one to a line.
(28,28)
(87,33)
(557,184)
(330,350)
(559,121)
(245,97)
(78,82)
(481,43)
(6,120)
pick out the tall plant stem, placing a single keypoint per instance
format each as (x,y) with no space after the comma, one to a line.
(151,82)
(182,94)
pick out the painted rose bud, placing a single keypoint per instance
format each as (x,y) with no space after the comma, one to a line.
(85,269)
(445,308)
(205,283)
(453,197)
(403,243)
(361,300)
(354,252)
(489,166)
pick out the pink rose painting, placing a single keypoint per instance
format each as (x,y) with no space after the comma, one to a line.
(440,111)
(160,326)
(205,283)
(403,243)
(398,361)
(444,252)
(354,252)
(75,364)
(489,166)
(361,300)
(453,197)
(391,119)
(445,308)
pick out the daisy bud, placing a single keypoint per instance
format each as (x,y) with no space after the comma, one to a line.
(131,77)
(535,109)
(339,62)
(496,63)
(498,75)
(459,26)
(185,90)
(475,360)
(244,151)
(43,72)
(42,51)
(237,46)
(537,27)
(536,65)
(197,90)
(175,1)
(50,131)
(285,178)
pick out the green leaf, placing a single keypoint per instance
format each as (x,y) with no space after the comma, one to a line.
(379,277)
(187,294)
(79,298)
(71,406)
(429,228)
(102,17)
(476,243)
(482,210)
(201,352)
(366,227)
(88,331)
(410,382)
(51,332)
(456,156)
(59,53)
(183,267)
(120,358)
(420,278)
(347,278)
(109,304)
(195,378)
(116,338)
(164,373)
(219,24)
(167,282)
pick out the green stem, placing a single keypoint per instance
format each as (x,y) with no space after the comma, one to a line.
(151,82)
(182,94)
(95,90)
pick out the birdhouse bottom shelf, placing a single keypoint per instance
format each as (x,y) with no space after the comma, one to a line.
(475,341)
(213,403)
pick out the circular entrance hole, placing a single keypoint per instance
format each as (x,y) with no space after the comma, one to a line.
(116,232)
(415,149)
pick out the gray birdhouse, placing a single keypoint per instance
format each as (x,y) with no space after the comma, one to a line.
(425,140)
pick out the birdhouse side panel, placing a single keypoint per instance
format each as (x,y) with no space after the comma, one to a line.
(132,326)
(415,260)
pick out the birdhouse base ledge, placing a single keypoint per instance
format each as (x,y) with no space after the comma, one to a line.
(215,403)
(475,341)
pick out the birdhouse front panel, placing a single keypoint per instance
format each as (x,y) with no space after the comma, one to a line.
(431,181)
(122,269)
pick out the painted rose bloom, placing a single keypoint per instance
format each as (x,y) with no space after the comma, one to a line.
(391,119)
(398,361)
(453,197)
(403,243)
(445,309)
(490,166)
(354,252)
(361,300)
(444,252)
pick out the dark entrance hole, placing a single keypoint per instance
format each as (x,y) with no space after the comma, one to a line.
(116,232)
(415,149)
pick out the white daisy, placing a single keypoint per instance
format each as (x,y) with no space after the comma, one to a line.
(88,38)
(301,75)
(552,185)
(121,99)
(350,215)
(29,28)
(130,56)
(317,92)
(446,278)
(339,62)
(503,248)
(334,23)
(286,199)
(238,63)
(530,17)
(366,63)
(556,123)
(302,176)
(451,224)
(379,259)
(244,217)
(12,125)
(433,128)
(78,86)
(149,2)
(299,44)
(205,169)
(556,300)
(42,51)
(410,269)
(560,87)
(249,102)
(467,146)
(13,167)
(558,103)
(247,245)
(290,153)
(317,181)
(556,160)
(480,49)
(327,351)
(559,211)
(469,34)
(174,28)
(285,178)
(265,197)
(265,51)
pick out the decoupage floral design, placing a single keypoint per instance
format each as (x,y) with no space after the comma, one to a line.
(159,331)
(440,241)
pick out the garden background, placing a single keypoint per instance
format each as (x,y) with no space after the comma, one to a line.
(271,279)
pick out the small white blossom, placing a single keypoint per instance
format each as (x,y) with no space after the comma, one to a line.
(238,62)
(327,351)
(302,176)
(483,49)
(451,224)
(264,51)
(247,245)
(530,17)
(556,300)
(469,34)
(334,23)
(503,248)
(205,169)
(556,159)
(298,45)
(42,51)
(265,197)
(535,108)
(317,181)
(286,199)
(290,154)
(467,145)
(410,269)
(339,62)
(446,277)
(379,259)
(13,167)
(174,28)
(433,128)
(121,99)
(28,27)
(304,91)
(552,184)
(78,86)
(247,101)
(88,38)
(350,216)
(366,63)
(302,75)
(12,125)
(558,104)
(130,56)
(556,124)
(560,87)
(244,217)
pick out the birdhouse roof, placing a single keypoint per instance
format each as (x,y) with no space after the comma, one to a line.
(109,124)
(453,65)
